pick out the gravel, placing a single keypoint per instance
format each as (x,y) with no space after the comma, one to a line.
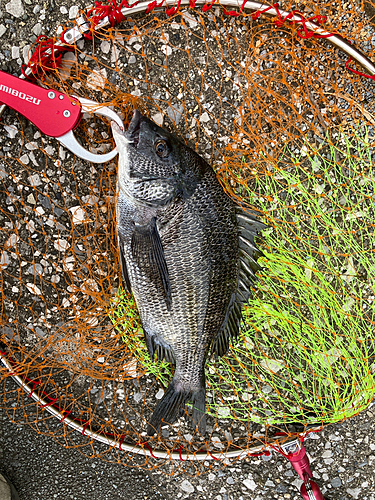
(342,455)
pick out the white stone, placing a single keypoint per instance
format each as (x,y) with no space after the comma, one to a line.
(25,53)
(130,369)
(204,117)
(166,49)
(105,47)
(33,288)
(12,130)
(15,8)
(50,150)
(37,29)
(159,394)
(73,11)
(2,30)
(15,52)
(61,245)
(79,215)
(63,10)
(327,454)
(4,261)
(97,79)
(35,180)
(137,397)
(24,159)
(250,484)
(31,146)
(11,241)
(187,487)
(158,119)
(190,19)
(355,492)
(68,62)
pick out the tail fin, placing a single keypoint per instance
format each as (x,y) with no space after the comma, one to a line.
(174,399)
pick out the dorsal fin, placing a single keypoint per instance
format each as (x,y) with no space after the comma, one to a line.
(248,229)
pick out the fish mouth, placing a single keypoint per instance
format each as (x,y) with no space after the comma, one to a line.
(134,128)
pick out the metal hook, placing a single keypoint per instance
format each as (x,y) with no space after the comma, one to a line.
(70,142)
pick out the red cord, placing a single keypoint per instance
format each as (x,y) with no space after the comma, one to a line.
(352,70)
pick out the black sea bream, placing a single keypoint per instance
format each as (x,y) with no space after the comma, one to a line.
(187,254)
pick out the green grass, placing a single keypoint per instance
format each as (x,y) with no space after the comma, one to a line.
(306,350)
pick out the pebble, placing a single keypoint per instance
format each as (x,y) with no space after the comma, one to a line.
(97,79)
(24,159)
(61,245)
(187,487)
(35,269)
(73,11)
(33,288)
(25,53)
(355,492)
(2,30)
(63,10)
(137,397)
(204,117)
(79,215)
(4,260)
(105,47)
(15,8)
(159,394)
(37,30)
(11,130)
(250,484)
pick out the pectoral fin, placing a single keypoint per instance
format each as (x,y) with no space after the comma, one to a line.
(147,251)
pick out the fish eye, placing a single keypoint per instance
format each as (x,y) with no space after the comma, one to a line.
(161,148)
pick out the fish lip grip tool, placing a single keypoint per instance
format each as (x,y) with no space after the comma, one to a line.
(54,113)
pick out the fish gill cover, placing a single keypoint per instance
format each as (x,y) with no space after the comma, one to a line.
(289,131)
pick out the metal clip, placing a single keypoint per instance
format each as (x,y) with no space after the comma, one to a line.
(70,142)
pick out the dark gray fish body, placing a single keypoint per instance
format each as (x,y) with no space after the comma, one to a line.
(187,255)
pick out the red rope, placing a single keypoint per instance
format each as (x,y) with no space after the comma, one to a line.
(67,414)
(145,443)
(35,383)
(47,55)
(304,32)
(352,70)
(173,10)
(180,452)
(52,403)
(100,11)
(153,5)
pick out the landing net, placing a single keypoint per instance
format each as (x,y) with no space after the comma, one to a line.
(289,129)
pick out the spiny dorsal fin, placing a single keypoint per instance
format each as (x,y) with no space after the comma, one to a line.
(248,228)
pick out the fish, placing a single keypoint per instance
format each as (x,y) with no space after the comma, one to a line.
(188,255)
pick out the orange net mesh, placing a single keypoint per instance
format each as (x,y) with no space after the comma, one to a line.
(290,132)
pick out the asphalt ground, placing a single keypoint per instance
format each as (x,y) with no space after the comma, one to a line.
(342,455)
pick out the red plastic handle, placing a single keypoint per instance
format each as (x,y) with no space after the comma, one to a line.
(52,112)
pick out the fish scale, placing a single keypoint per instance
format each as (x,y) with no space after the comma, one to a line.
(179,243)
